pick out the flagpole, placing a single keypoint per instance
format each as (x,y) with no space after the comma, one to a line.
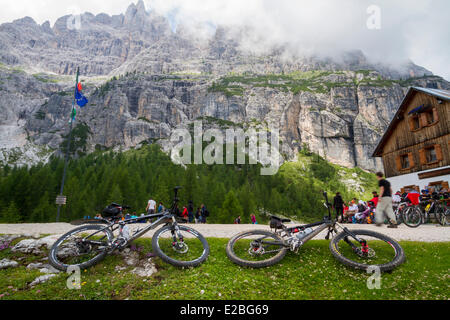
(66,160)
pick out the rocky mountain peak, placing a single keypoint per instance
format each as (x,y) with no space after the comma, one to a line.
(25,21)
(136,15)
(339,107)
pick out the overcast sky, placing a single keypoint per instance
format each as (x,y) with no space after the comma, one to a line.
(415,29)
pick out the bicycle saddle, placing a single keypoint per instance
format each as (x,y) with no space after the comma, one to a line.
(280,219)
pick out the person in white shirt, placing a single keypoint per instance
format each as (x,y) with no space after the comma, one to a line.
(396,197)
(352,210)
(151,206)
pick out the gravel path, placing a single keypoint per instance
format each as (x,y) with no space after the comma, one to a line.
(425,233)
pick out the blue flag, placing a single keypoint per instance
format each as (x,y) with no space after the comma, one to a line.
(81,100)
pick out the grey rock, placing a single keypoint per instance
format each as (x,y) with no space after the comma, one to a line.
(6,263)
(41,279)
(147,269)
(42,267)
(9,237)
(48,269)
(34,245)
(33,266)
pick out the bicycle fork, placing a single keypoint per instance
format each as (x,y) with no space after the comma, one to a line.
(175,230)
(364,247)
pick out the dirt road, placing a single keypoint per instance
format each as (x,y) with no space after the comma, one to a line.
(425,233)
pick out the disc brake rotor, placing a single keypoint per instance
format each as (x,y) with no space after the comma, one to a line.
(256,249)
(83,247)
(180,247)
(369,254)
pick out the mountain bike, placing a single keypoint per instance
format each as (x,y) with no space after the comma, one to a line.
(444,217)
(415,215)
(354,248)
(438,209)
(409,214)
(87,245)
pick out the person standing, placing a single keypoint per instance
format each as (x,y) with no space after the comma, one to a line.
(190,209)
(375,198)
(237,220)
(184,214)
(384,206)
(151,206)
(253,218)
(338,205)
(197,216)
(203,214)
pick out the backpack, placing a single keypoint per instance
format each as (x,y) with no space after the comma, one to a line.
(206,213)
(111,210)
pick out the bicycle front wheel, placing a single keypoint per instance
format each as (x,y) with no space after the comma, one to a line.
(380,250)
(412,217)
(183,248)
(256,249)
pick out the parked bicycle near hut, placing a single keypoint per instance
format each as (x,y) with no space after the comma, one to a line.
(354,248)
(87,245)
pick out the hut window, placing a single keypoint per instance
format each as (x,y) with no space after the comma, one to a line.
(404,160)
(432,116)
(414,122)
(431,154)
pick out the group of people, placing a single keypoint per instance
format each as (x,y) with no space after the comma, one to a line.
(252,218)
(356,211)
(376,210)
(187,213)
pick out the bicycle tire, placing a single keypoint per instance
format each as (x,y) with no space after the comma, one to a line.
(178,263)
(399,216)
(407,222)
(52,256)
(254,264)
(443,216)
(399,257)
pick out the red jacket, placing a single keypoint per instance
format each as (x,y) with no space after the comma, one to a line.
(375,201)
(414,197)
(185,212)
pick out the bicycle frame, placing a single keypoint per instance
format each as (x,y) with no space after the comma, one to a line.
(115,224)
(322,225)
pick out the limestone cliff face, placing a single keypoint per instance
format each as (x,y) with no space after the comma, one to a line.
(343,124)
(164,80)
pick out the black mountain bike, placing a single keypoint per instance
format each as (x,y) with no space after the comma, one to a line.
(355,248)
(87,245)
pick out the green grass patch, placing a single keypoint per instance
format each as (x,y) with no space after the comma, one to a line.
(295,82)
(313,273)
(44,78)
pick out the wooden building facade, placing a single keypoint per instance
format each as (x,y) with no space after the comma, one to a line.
(416,146)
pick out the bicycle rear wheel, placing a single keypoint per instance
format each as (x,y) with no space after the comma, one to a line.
(256,249)
(83,247)
(443,216)
(381,251)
